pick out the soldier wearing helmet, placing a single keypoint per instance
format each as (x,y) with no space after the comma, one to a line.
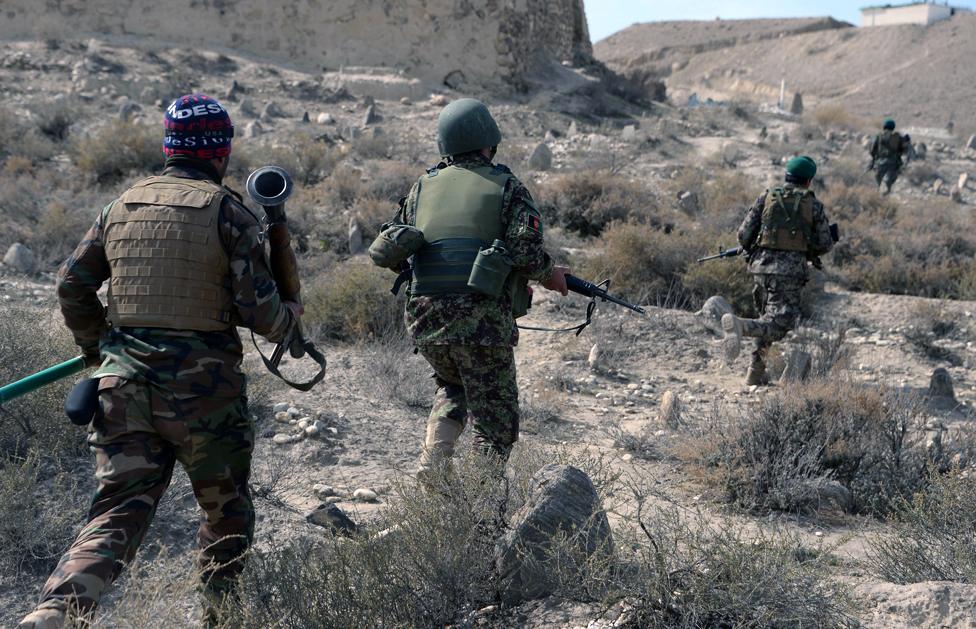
(886,155)
(783,233)
(462,206)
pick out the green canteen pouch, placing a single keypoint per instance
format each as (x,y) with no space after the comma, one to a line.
(395,244)
(490,270)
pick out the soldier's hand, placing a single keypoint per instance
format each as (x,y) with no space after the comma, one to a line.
(91,354)
(297,310)
(557,281)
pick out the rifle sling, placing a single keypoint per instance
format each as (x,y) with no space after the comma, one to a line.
(312,352)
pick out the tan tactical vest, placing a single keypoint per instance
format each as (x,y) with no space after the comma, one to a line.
(169,268)
(459,211)
(787,219)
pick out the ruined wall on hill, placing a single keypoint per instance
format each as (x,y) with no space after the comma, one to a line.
(479,42)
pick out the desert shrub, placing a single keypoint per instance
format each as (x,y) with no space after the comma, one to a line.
(118,149)
(353,302)
(307,159)
(689,572)
(373,145)
(921,173)
(728,278)
(650,265)
(933,536)
(389,180)
(54,119)
(783,453)
(39,510)
(837,117)
(432,563)
(20,139)
(29,343)
(59,229)
(588,202)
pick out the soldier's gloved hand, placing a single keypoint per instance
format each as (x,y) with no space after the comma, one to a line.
(91,354)
(557,281)
(297,310)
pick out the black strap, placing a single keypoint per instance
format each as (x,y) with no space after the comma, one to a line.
(590,307)
(402,277)
(307,346)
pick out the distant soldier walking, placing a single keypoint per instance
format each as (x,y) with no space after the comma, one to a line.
(185,264)
(462,205)
(783,232)
(887,151)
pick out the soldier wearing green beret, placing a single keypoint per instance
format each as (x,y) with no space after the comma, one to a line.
(463,205)
(782,233)
(886,155)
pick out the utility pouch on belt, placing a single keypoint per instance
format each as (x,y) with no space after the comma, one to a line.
(521,296)
(81,406)
(490,270)
(395,244)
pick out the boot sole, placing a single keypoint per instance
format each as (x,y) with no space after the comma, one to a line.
(732,343)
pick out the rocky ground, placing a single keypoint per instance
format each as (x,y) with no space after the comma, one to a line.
(358,432)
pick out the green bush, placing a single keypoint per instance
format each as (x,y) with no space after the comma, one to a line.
(352,302)
(307,159)
(118,149)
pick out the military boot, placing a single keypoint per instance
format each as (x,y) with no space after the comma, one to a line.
(732,343)
(44,619)
(757,375)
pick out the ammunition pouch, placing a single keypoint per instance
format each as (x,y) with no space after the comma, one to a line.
(521,296)
(395,244)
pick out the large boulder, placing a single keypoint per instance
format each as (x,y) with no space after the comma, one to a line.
(21,258)
(714,307)
(561,525)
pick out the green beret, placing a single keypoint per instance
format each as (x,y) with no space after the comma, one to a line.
(802,167)
(889,124)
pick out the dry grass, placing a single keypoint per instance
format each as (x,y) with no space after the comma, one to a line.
(353,302)
(119,148)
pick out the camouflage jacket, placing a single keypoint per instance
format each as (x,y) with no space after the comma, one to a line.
(184,362)
(888,148)
(790,263)
(470,319)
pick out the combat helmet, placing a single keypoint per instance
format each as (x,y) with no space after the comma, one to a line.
(889,124)
(466,125)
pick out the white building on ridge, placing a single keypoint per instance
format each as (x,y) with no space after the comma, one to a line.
(922,13)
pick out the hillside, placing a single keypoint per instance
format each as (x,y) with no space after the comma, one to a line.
(723,512)
(911,72)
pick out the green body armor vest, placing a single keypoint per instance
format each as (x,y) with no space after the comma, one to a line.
(787,220)
(889,146)
(460,212)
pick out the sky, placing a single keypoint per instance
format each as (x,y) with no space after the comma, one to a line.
(606,17)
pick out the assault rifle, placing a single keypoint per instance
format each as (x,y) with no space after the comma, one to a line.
(594,292)
(723,253)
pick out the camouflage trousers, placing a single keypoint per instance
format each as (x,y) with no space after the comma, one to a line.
(471,380)
(141,434)
(887,173)
(778,300)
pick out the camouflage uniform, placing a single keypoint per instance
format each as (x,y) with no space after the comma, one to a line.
(166,396)
(779,277)
(468,338)
(886,153)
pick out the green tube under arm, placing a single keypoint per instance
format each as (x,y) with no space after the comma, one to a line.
(42,379)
